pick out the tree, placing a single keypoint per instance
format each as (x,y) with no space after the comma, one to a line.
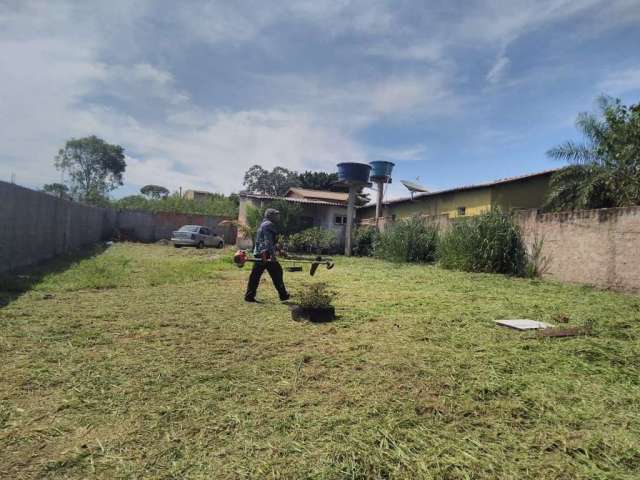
(275,182)
(320,181)
(58,189)
(604,170)
(94,167)
(154,191)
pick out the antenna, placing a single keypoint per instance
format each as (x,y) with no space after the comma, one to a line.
(414,187)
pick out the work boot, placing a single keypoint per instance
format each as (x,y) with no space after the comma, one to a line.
(285,297)
(250,299)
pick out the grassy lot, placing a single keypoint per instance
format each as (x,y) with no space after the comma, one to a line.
(144,362)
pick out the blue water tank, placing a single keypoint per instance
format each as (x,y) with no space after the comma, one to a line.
(350,172)
(381,170)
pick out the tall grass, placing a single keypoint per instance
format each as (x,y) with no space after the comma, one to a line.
(410,240)
(490,243)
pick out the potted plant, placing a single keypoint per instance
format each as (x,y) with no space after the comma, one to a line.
(315,304)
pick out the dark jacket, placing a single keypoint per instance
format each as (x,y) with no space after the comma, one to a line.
(266,239)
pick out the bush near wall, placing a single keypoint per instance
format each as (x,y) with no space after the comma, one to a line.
(218,205)
(409,240)
(364,240)
(313,240)
(490,243)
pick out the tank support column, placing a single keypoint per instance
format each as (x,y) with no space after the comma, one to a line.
(351,206)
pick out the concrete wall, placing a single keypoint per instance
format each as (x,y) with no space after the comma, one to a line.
(35,226)
(598,247)
(150,227)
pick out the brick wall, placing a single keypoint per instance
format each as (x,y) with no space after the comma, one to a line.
(598,247)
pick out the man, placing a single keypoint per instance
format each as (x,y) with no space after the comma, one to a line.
(265,250)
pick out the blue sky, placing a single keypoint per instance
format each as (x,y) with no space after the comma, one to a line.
(454,92)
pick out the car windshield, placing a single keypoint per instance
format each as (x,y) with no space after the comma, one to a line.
(189,228)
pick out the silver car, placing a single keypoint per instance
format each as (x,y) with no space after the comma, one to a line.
(196,236)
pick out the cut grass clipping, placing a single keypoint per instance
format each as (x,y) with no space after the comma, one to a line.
(144,362)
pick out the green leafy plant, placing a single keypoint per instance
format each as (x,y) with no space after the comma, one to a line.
(313,240)
(537,261)
(604,170)
(364,241)
(316,295)
(410,240)
(490,242)
(217,204)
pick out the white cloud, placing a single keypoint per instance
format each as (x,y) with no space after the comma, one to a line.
(622,81)
(407,153)
(498,69)
(59,63)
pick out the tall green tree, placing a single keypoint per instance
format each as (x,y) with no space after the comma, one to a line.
(275,182)
(94,166)
(604,169)
(154,191)
(60,190)
(320,181)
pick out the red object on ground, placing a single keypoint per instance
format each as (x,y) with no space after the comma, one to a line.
(240,258)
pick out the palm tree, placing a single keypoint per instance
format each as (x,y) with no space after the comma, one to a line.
(604,170)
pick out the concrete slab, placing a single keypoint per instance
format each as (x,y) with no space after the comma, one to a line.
(523,324)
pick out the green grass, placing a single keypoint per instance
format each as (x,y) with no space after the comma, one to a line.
(144,362)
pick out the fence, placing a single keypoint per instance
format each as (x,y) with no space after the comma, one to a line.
(36,226)
(598,247)
(151,227)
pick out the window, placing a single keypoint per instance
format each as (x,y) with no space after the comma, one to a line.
(204,231)
(341,220)
(462,211)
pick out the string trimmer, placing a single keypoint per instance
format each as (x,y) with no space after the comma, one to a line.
(241,258)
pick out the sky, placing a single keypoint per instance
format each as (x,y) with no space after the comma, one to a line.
(453,92)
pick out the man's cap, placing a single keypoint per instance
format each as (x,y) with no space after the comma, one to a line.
(269,213)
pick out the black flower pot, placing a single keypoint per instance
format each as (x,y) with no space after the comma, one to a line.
(323,314)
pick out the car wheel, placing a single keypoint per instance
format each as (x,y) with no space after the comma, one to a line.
(200,245)
(176,245)
(220,244)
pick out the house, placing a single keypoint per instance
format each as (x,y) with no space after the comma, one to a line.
(523,192)
(197,195)
(319,209)
(323,195)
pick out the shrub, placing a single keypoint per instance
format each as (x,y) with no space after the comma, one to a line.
(490,243)
(217,204)
(316,295)
(410,240)
(313,240)
(364,240)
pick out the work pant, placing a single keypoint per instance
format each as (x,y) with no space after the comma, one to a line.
(275,272)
